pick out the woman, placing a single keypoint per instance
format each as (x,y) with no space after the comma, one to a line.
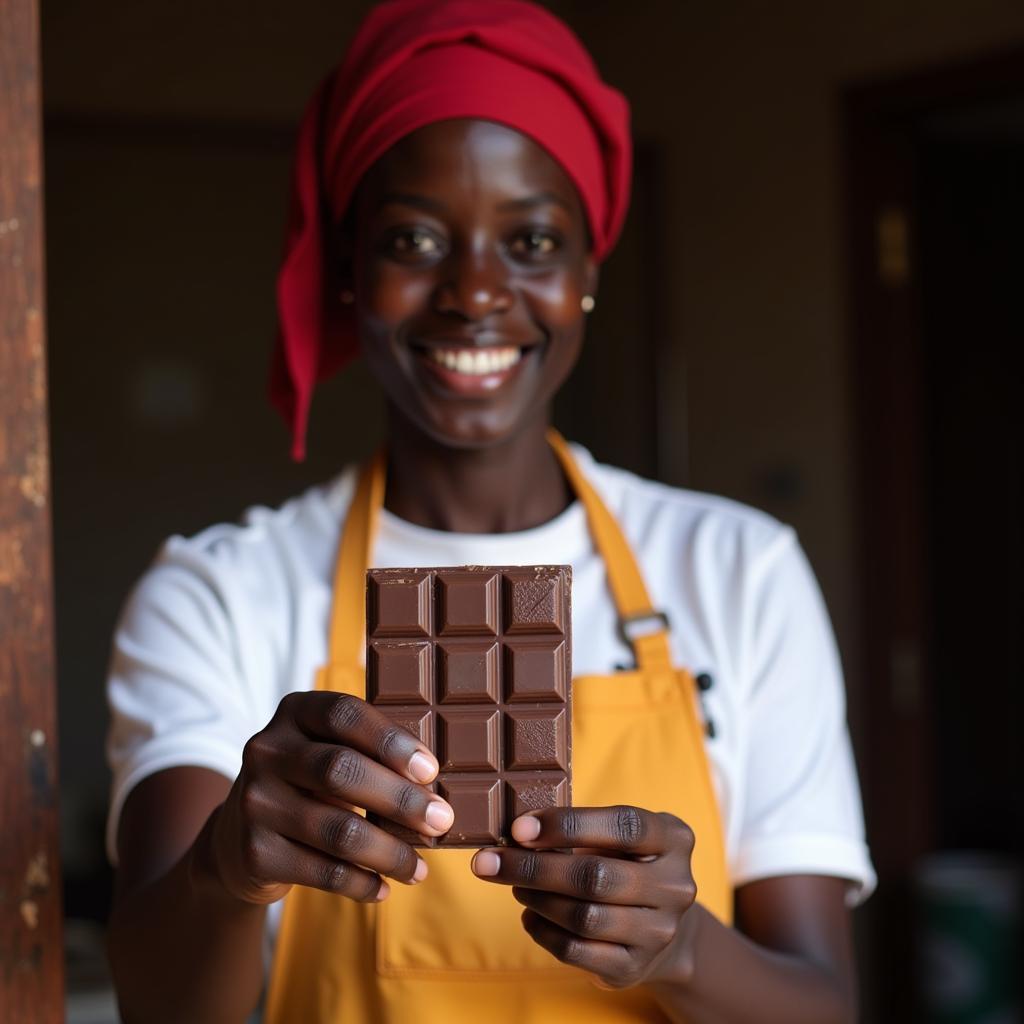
(458,181)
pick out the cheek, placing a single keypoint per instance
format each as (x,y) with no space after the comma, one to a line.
(388,294)
(555,302)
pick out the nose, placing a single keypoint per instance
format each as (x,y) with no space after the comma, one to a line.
(474,285)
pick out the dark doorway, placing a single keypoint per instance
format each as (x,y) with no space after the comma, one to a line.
(935,165)
(971,215)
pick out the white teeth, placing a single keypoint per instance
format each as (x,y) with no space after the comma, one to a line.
(476,362)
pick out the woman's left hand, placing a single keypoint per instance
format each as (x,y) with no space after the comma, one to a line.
(616,904)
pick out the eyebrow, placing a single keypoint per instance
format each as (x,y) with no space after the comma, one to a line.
(540,199)
(412,199)
(435,206)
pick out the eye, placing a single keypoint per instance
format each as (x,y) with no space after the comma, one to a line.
(413,242)
(535,244)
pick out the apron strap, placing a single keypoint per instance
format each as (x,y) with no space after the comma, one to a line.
(348,609)
(348,613)
(624,577)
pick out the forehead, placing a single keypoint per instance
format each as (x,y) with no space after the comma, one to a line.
(485,158)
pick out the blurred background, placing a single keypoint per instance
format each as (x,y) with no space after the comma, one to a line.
(813,311)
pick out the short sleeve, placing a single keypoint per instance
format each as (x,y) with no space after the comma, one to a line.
(176,688)
(802,810)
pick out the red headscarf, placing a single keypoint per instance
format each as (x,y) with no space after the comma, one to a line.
(414,62)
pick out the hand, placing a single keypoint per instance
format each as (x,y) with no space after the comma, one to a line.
(288,819)
(616,905)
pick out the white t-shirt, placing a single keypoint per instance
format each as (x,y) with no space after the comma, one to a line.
(226,623)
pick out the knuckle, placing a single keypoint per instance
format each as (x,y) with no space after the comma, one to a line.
(344,769)
(250,801)
(255,750)
(572,951)
(588,918)
(663,931)
(389,744)
(593,878)
(529,868)
(253,846)
(404,866)
(630,827)
(286,706)
(344,833)
(680,829)
(682,891)
(406,799)
(334,876)
(345,713)
(572,824)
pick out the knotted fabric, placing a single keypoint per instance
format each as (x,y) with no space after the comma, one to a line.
(412,63)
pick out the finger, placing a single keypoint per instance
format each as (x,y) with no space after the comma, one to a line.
(585,877)
(610,961)
(605,922)
(342,718)
(300,865)
(621,828)
(344,835)
(346,774)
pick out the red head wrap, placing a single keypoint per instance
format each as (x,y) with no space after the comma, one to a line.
(414,62)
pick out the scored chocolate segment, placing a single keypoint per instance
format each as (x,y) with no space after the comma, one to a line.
(399,605)
(468,672)
(468,603)
(399,672)
(476,663)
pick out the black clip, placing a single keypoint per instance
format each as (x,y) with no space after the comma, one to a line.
(704,683)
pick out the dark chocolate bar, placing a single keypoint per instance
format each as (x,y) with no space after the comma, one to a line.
(477,663)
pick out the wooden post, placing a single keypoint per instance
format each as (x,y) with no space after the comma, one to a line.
(31,948)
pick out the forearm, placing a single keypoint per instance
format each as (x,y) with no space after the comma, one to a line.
(724,977)
(183,949)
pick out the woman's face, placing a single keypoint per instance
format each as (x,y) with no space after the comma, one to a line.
(470,260)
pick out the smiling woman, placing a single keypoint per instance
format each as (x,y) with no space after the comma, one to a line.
(459,179)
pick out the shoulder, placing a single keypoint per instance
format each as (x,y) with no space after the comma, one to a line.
(694,524)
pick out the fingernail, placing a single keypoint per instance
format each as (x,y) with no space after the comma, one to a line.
(382,892)
(439,816)
(600,983)
(525,829)
(421,870)
(422,767)
(486,864)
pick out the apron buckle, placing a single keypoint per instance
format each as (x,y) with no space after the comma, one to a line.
(629,635)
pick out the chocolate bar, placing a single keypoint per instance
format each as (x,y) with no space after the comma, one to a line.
(477,663)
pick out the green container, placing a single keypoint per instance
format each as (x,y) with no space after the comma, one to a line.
(969,926)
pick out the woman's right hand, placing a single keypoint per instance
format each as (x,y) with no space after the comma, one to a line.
(285,821)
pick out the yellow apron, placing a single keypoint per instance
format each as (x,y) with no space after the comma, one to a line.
(452,948)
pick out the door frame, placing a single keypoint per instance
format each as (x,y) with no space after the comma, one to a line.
(31,915)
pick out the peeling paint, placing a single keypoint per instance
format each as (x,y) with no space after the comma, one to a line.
(12,560)
(30,913)
(33,483)
(37,875)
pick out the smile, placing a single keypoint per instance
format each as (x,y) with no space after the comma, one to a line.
(476,362)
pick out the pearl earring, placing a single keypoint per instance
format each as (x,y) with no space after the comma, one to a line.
(347,296)
(587,303)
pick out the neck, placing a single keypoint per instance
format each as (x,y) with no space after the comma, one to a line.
(511,486)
